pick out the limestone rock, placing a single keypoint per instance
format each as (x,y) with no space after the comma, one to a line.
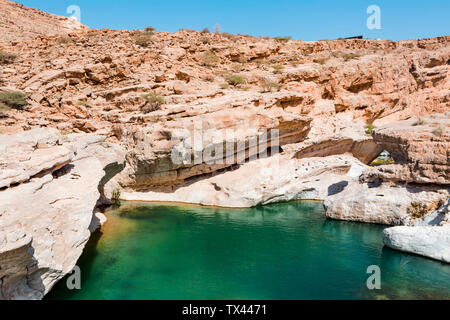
(432,242)
(275,179)
(47,219)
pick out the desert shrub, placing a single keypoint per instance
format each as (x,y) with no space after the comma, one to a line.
(7,58)
(350,56)
(321,60)
(115,197)
(153,102)
(230,36)
(268,85)
(83,103)
(439,131)
(419,122)
(277,68)
(237,67)
(209,59)
(206,30)
(224,85)
(307,51)
(143,38)
(369,128)
(417,210)
(282,39)
(208,78)
(234,80)
(259,61)
(15,100)
(64,40)
(149,30)
(4,109)
(336,54)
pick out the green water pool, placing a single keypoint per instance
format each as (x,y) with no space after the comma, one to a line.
(282,251)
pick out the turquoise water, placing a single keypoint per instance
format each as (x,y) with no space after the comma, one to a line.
(282,251)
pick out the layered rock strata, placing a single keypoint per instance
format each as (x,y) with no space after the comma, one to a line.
(50,187)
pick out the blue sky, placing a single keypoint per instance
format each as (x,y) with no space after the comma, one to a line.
(300,19)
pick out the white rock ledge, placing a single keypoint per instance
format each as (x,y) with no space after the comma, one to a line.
(431,242)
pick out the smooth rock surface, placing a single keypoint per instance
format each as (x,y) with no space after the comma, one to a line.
(44,221)
(432,242)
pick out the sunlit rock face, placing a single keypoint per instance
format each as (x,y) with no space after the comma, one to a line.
(324,111)
(51,186)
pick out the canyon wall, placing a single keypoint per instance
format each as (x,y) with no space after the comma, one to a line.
(50,187)
(212,119)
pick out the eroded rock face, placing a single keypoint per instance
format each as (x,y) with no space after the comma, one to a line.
(388,204)
(276,179)
(45,214)
(420,147)
(428,237)
(94,80)
(18,23)
(400,193)
(319,96)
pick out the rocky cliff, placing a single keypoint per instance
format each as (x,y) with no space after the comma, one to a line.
(213,119)
(50,186)
(19,23)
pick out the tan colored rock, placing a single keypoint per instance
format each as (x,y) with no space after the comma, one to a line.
(420,147)
(274,179)
(400,193)
(385,203)
(19,23)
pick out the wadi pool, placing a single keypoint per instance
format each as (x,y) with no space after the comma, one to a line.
(281,251)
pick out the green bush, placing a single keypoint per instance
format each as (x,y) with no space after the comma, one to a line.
(3,110)
(209,59)
(7,58)
(350,56)
(153,102)
(234,80)
(418,210)
(268,86)
(321,61)
(369,129)
(277,69)
(144,38)
(282,39)
(15,100)
(419,122)
(64,40)
(115,197)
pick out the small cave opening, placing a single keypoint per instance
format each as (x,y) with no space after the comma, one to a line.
(384,158)
(62,171)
